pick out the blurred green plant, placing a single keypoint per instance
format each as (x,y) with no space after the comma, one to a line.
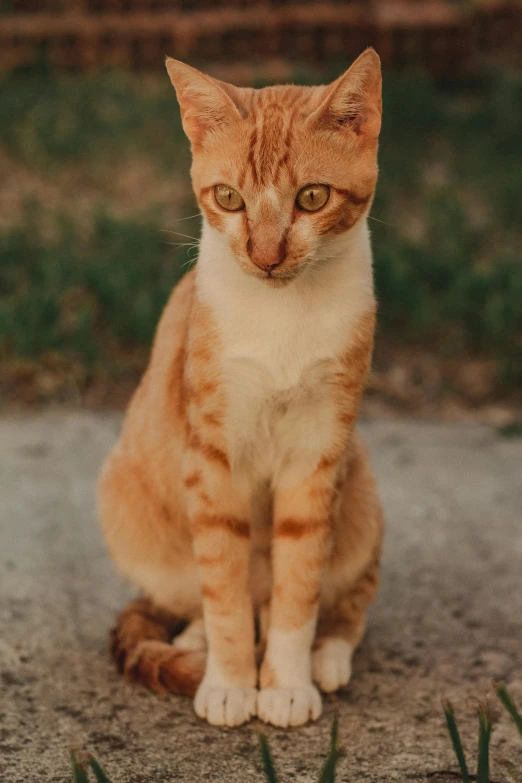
(81,763)
(445,221)
(50,120)
(327,774)
(84,295)
(509,704)
(484,737)
(81,767)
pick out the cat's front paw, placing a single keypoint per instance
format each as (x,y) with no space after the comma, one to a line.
(225,706)
(289,706)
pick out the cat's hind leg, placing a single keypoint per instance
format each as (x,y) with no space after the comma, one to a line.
(339,633)
(351,577)
(148,537)
(193,638)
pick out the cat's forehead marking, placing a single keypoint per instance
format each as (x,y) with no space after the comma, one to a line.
(273,117)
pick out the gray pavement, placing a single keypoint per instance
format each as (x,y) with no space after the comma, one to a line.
(448,618)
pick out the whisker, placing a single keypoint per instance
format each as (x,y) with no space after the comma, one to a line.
(377,220)
(177,246)
(179,234)
(189,262)
(198,214)
(180,244)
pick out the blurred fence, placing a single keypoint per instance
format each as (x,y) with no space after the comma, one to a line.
(445,37)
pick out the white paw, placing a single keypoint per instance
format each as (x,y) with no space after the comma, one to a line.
(289,706)
(332,664)
(192,639)
(225,706)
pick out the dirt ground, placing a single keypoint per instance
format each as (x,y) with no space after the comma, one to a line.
(448,619)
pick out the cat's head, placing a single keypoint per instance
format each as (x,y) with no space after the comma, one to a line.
(281,170)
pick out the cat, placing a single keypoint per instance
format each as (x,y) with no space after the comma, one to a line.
(238,497)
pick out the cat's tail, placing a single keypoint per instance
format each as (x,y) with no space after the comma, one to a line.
(141,648)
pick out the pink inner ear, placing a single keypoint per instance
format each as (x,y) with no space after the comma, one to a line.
(354,100)
(204,102)
(368,122)
(358,110)
(194,129)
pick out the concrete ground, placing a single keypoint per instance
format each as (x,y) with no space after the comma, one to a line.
(448,618)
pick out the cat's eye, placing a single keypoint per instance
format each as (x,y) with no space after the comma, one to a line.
(228,198)
(313,197)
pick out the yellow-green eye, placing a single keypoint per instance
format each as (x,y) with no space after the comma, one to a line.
(228,198)
(313,197)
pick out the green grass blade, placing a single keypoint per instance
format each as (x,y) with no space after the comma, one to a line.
(99,774)
(268,761)
(506,700)
(483,745)
(449,714)
(79,774)
(334,754)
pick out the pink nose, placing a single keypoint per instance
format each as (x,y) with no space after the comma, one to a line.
(265,258)
(263,261)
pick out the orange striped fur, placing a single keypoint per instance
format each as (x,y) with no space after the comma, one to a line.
(238,496)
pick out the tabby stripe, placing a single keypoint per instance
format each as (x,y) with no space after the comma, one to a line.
(296,528)
(207,522)
(210,451)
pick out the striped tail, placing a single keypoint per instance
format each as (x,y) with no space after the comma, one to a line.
(141,647)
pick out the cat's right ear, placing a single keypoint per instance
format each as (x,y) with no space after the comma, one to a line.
(204,104)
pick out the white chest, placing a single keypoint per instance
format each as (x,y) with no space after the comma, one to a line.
(268,423)
(278,347)
(276,366)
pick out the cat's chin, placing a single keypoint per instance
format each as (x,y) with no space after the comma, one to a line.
(278,282)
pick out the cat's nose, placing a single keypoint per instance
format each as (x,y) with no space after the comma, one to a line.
(267,263)
(267,259)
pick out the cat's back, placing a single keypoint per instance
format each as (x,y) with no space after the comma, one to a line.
(156,411)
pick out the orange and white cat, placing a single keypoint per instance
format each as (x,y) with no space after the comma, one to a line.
(238,497)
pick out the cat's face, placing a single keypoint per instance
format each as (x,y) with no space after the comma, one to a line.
(279,171)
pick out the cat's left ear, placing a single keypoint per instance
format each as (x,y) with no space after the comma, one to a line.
(206,104)
(354,100)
